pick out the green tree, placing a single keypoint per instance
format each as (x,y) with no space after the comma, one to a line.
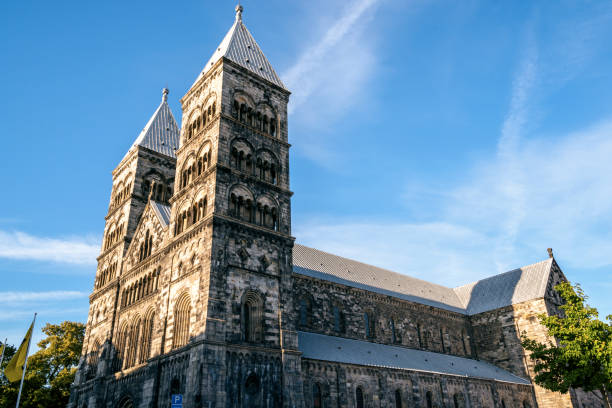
(582,355)
(50,370)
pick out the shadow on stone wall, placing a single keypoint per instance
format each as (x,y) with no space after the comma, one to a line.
(247,378)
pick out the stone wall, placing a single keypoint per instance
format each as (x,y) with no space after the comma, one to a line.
(395,321)
(381,387)
(497,339)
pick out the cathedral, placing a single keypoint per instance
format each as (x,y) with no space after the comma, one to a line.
(202,293)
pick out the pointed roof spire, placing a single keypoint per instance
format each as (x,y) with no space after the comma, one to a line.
(240,47)
(161,133)
(239,10)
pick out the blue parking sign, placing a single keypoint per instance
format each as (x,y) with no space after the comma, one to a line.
(177,400)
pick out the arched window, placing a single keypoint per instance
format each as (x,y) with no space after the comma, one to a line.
(251,385)
(398,399)
(175,386)
(182,311)
(458,400)
(126,402)
(147,335)
(272,127)
(526,404)
(146,247)
(369,323)
(243,112)
(317,401)
(131,344)
(241,204)
(503,404)
(338,319)
(463,342)
(420,336)
(305,311)
(92,360)
(121,346)
(359,397)
(429,399)
(392,328)
(252,317)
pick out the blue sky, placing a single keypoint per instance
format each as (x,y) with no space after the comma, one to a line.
(446,140)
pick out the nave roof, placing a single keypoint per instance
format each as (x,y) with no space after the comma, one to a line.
(518,285)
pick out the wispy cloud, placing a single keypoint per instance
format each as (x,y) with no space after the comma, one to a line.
(19,245)
(17,297)
(566,206)
(536,191)
(511,177)
(327,61)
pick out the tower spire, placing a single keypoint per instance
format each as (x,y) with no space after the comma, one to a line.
(239,10)
(165,93)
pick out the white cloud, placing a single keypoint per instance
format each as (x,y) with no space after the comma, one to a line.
(534,192)
(510,183)
(19,245)
(336,66)
(567,206)
(18,297)
(436,251)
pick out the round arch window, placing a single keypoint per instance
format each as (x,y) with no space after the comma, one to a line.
(251,386)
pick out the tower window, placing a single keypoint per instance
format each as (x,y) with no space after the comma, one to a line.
(145,247)
(252,317)
(182,311)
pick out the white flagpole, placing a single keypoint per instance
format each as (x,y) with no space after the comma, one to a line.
(25,364)
(3,350)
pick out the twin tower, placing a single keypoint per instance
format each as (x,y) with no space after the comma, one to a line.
(193,283)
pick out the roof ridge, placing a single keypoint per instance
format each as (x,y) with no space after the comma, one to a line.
(502,273)
(376,267)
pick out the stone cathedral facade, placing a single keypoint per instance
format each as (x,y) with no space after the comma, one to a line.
(201,291)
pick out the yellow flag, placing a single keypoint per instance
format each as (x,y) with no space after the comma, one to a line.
(14,369)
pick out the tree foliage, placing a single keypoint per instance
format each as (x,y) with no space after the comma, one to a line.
(50,370)
(582,355)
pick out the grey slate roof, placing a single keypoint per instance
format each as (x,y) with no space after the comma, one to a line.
(516,286)
(162,211)
(501,290)
(337,349)
(161,133)
(240,47)
(322,265)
